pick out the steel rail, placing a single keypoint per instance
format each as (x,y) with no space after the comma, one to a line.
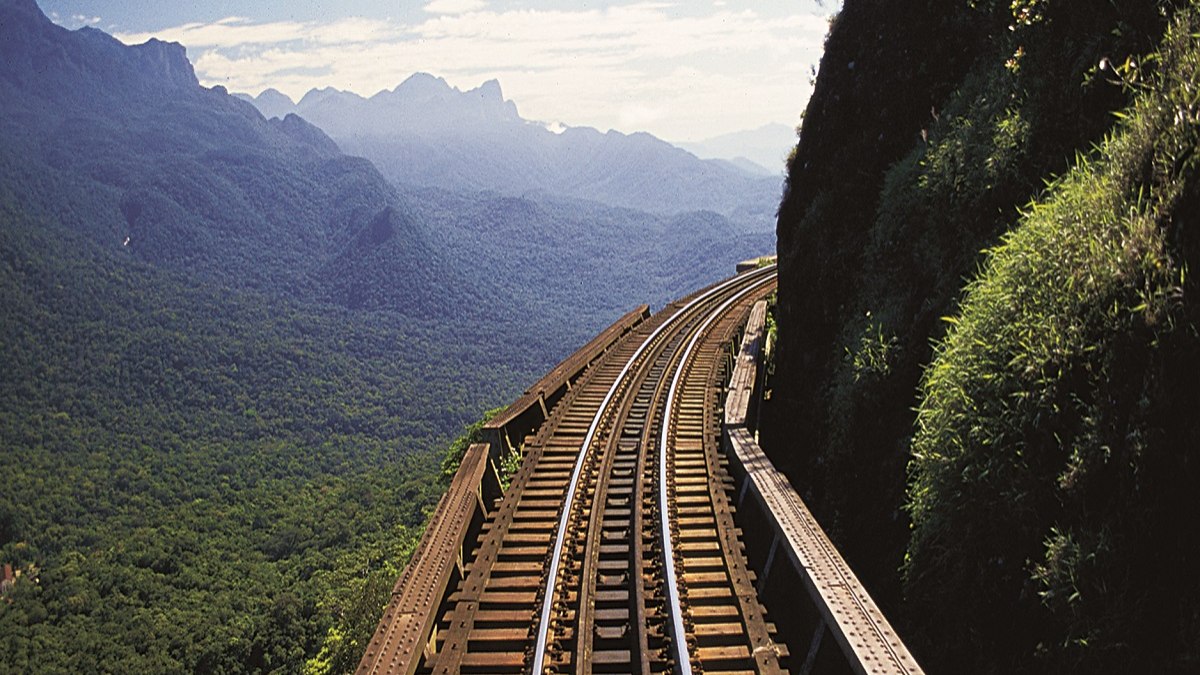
(682,656)
(539,652)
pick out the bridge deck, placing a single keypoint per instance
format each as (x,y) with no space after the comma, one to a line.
(619,544)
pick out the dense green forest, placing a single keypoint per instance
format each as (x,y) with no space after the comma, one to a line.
(1007,461)
(210,465)
(199,479)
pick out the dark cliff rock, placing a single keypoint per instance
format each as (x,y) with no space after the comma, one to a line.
(886,69)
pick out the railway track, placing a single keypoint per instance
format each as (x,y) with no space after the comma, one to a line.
(614,548)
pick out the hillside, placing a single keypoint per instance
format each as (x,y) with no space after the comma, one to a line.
(127,139)
(122,145)
(1004,463)
(426,133)
(207,468)
(201,480)
(232,356)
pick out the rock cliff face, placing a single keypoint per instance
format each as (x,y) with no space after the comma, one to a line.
(931,124)
(76,67)
(164,62)
(886,71)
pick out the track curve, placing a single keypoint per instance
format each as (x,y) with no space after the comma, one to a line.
(613,549)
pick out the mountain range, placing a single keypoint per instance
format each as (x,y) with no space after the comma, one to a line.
(426,133)
(763,150)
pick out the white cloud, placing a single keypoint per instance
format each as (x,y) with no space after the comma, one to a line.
(454,6)
(640,116)
(632,67)
(240,33)
(85,20)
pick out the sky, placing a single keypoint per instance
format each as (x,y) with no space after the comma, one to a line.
(684,71)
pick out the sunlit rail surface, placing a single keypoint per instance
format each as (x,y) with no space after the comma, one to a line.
(615,547)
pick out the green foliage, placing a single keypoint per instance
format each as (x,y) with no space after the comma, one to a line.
(229,356)
(471,434)
(199,478)
(772,327)
(1062,573)
(874,354)
(931,125)
(368,593)
(1045,456)
(510,463)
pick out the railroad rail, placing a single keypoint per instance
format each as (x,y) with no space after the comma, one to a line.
(615,547)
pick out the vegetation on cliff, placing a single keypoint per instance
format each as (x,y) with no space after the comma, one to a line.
(1048,423)
(1052,466)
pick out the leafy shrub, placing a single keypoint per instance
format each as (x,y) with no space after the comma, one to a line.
(471,434)
(874,354)
(909,164)
(1048,450)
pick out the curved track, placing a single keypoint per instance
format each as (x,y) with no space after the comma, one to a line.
(614,548)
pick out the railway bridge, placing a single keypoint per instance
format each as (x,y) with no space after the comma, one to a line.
(645,530)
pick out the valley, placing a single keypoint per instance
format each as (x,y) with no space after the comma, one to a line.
(233,355)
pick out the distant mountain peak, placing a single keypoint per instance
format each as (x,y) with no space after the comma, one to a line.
(76,64)
(273,94)
(21,19)
(271,103)
(422,83)
(765,147)
(166,61)
(422,103)
(489,91)
(317,96)
(318,93)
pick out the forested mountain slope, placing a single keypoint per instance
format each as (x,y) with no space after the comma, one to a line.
(200,479)
(121,143)
(1006,463)
(205,466)
(230,355)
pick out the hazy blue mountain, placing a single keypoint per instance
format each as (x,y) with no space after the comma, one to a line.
(580,260)
(749,166)
(123,145)
(764,149)
(185,177)
(271,103)
(427,133)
